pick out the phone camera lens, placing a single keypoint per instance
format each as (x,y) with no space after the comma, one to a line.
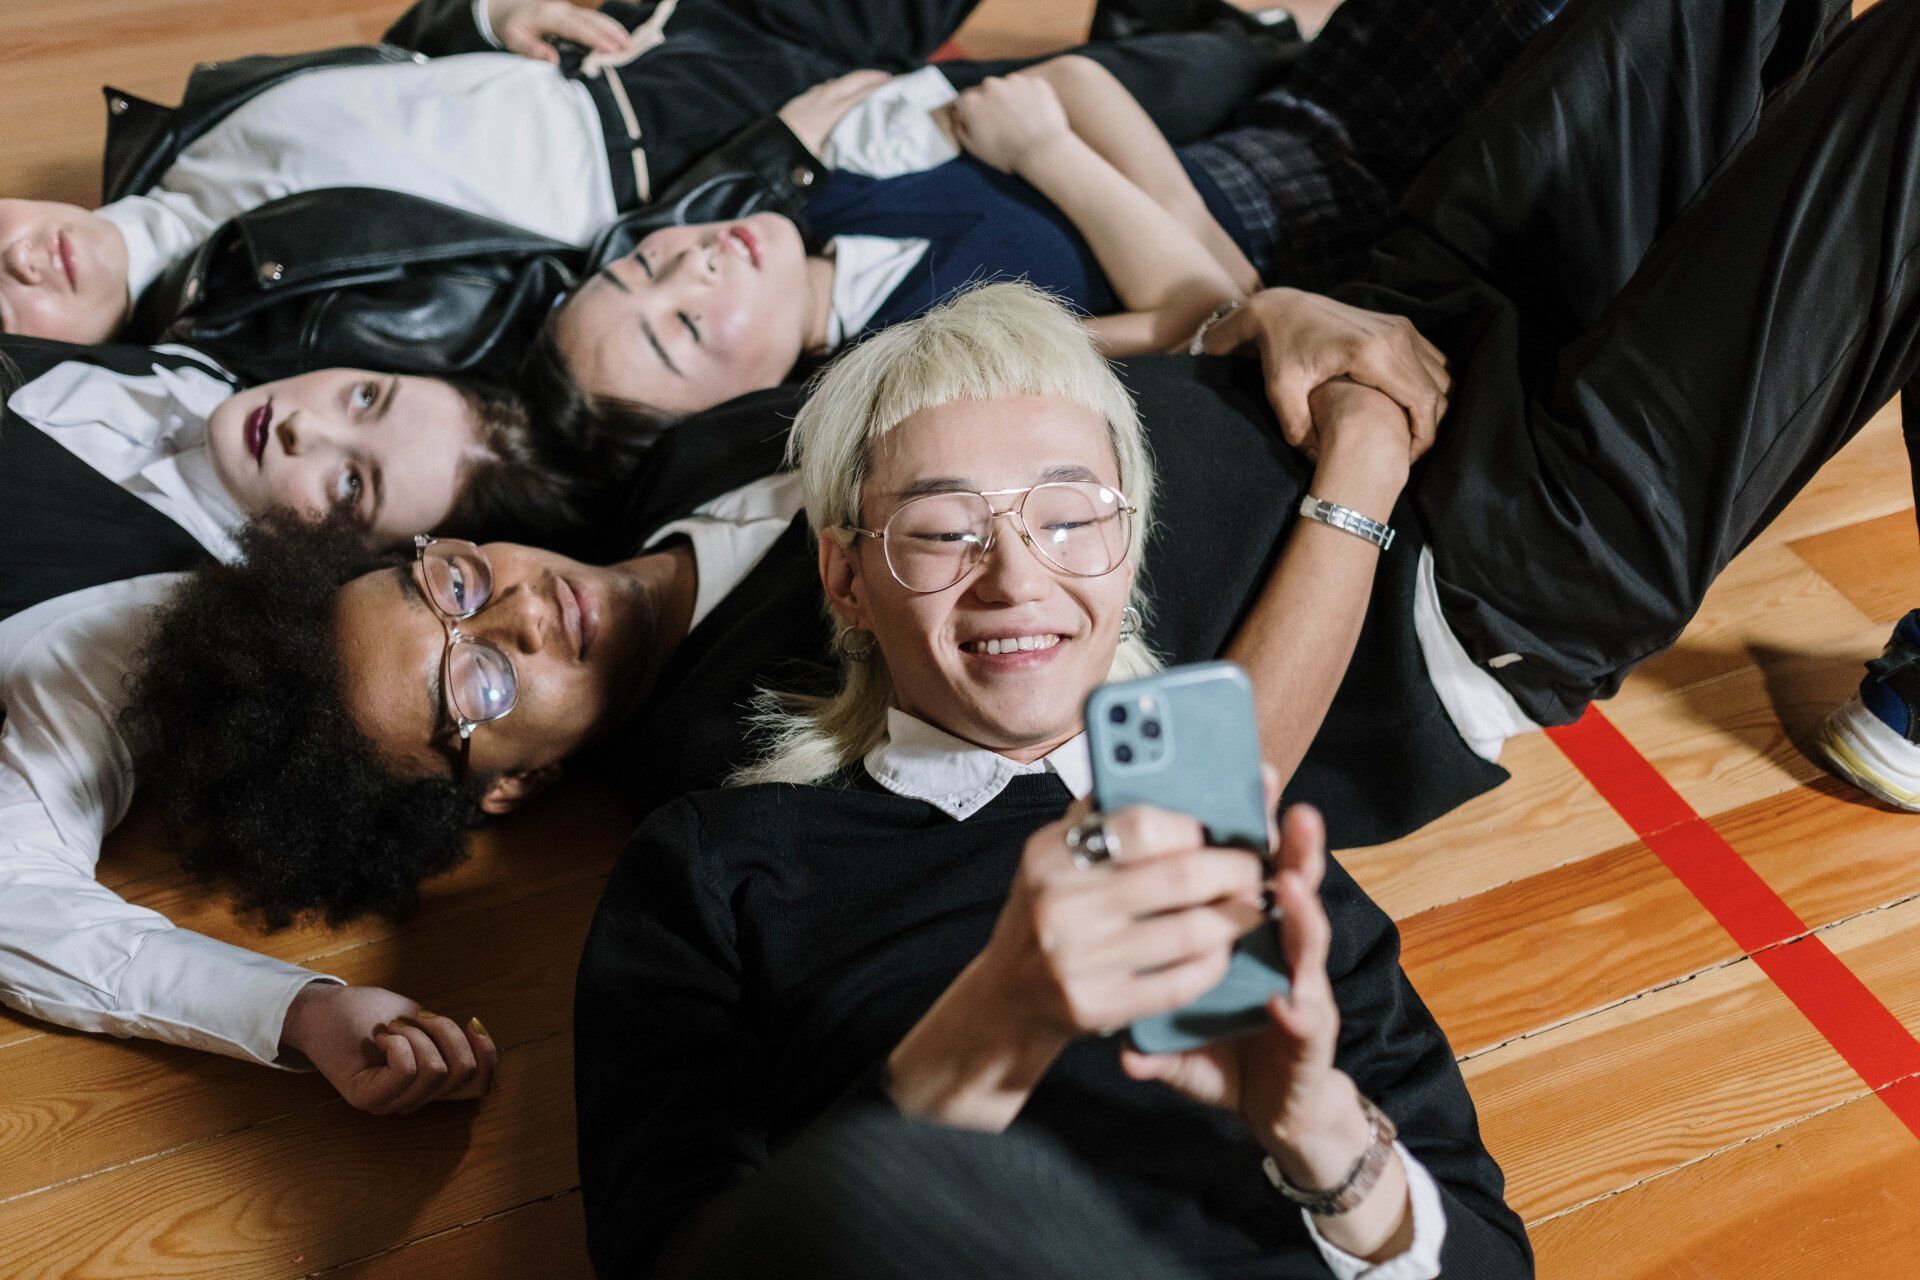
(1117,714)
(1123,753)
(1150,729)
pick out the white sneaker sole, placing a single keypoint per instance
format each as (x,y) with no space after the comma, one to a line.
(1860,747)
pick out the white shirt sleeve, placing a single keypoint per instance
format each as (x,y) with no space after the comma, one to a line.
(731,533)
(72,951)
(1421,1260)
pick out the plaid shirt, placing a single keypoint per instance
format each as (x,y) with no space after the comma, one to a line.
(1314,175)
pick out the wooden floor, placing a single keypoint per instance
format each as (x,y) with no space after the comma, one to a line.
(1661,1107)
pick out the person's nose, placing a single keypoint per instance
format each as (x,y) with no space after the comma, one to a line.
(303,434)
(23,263)
(1011,571)
(519,620)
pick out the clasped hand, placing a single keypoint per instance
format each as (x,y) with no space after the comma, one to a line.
(1306,340)
(383,1052)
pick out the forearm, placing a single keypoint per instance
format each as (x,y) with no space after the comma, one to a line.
(961,1067)
(1299,636)
(1107,118)
(1153,262)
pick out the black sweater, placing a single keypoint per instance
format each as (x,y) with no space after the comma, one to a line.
(761,950)
(1385,761)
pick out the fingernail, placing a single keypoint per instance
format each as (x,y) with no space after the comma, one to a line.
(478,1027)
(422,1013)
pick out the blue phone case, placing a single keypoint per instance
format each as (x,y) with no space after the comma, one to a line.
(1185,739)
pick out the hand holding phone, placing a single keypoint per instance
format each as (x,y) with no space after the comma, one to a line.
(1186,740)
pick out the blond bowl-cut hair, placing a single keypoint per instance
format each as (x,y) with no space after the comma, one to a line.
(988,343)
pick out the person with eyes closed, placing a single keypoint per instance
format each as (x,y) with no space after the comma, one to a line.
(539,116)
(121,468)
(1053,174)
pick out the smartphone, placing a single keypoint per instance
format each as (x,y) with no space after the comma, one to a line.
(1185,740)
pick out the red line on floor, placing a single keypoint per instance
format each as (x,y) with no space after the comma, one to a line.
(1860,1028)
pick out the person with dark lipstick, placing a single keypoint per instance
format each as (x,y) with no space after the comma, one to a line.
(120,467)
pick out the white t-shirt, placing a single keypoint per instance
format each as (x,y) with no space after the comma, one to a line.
(495,134)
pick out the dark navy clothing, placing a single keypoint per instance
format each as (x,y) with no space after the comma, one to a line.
(981,225)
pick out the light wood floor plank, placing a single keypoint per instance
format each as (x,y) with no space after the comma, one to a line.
(547,1239)
(1608,1100)
(1556,945)
(76,1103)
(310,1190)
(1831,1196)
(1546,817)
(1874,563)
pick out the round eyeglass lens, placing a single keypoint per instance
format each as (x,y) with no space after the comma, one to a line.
(1081,527)
(480,681)
(458,577)
(932,541)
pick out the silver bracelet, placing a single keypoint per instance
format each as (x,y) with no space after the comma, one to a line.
(1348,520)
(1197,345)
(1360,1179)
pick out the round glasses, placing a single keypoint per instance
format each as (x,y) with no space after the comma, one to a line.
(477,678)
(1078,527)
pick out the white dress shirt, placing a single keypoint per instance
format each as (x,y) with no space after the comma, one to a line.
(495,134)
(147,434)
(923,762)
(731,533)
(74,953)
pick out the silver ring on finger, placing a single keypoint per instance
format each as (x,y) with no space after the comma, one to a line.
(1092,842)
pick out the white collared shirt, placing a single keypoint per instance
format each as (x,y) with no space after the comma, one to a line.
(923,762)
(888,133)
(146,433)
(731,533)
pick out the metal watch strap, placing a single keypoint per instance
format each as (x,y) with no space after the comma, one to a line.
(1360,1179)
(1348,520)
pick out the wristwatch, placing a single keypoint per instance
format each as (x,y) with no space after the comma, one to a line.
(1347,520)
(1360,1179)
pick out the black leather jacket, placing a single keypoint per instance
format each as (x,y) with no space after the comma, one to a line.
(374,279)
(382,280)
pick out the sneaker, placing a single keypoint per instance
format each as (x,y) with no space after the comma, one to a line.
(1873,739)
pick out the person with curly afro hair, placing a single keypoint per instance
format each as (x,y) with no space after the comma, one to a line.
(237,701)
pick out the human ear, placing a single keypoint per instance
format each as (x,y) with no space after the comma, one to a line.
(511,790)
(840,578)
